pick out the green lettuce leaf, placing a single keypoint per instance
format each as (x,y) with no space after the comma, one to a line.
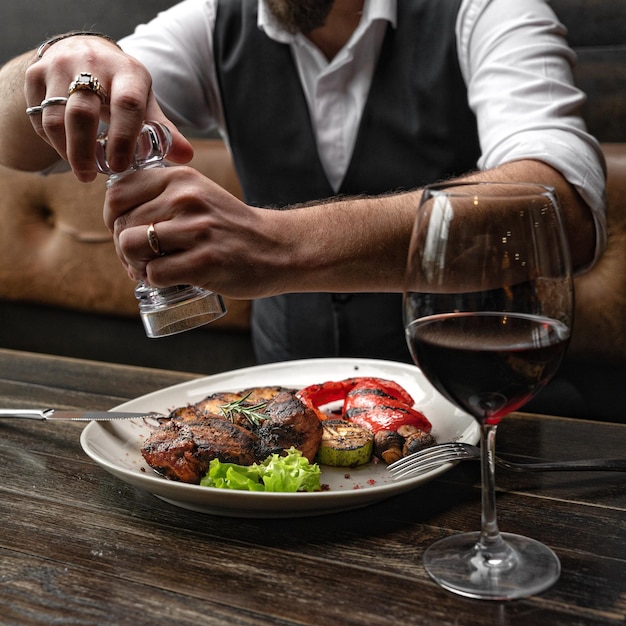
(290,473)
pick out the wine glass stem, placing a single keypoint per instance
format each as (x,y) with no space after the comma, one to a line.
(494,551)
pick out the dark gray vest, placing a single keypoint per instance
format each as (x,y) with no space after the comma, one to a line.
(416,128)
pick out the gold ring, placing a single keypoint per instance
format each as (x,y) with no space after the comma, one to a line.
(153,240)
(86,82)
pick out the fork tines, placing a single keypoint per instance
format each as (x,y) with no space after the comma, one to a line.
(425,460)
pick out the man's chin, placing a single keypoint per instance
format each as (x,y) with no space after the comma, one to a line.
(299,16)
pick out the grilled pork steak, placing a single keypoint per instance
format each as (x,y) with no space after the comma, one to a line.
(183,447)
(183,450)
(290,423)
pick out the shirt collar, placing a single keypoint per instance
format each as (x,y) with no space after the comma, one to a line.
(372,10)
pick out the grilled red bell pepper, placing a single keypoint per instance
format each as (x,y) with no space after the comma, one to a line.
(374,403)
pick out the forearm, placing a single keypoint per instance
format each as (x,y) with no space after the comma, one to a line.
(361,244)
(577,216)
(20,146)
(348,245)
(212,239)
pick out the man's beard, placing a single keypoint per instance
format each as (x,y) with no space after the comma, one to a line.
(300,15)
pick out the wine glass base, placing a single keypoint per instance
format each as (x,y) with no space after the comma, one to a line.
(458,564)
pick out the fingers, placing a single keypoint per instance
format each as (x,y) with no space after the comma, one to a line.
(198,230)
(101,83)
(136,247)
(37,88)
(132,204)
(146,251)
(152,213)
(130,99)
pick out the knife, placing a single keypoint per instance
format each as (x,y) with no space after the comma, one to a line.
(76,416)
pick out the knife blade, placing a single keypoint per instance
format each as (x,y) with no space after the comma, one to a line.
(75,416)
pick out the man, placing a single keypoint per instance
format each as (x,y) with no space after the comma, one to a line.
(363,100)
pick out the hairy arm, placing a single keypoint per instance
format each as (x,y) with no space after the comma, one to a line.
(20,146)
(362,243)
(343,245)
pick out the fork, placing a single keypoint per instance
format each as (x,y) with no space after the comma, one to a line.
(435,456)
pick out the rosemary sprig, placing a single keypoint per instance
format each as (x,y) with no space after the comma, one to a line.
(250,412)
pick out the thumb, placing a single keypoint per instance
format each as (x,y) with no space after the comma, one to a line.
(181,150)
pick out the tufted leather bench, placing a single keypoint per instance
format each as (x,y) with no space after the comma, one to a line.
(60,249)
(62,289)
(594,369)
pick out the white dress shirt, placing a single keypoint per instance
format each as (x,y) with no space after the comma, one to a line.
(526,108)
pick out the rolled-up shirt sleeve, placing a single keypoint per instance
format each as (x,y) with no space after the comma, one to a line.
(177,47)
(518,69)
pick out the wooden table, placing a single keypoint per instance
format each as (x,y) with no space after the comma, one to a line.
(77,546)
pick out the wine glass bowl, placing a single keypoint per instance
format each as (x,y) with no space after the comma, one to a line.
(488,313)
(164,311)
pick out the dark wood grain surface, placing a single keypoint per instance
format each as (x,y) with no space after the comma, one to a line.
(78,546)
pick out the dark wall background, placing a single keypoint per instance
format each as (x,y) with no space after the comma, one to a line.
(24,24)
(597,32)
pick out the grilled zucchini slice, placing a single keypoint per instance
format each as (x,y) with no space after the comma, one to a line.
(345,444)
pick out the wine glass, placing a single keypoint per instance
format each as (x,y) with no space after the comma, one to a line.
(488,311)
(164,311)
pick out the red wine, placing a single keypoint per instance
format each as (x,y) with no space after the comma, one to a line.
(488,364)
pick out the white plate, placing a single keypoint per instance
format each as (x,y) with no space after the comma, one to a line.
(116,445)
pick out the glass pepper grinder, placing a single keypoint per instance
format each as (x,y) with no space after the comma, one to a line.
(167,310)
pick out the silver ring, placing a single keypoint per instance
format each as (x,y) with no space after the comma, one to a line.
(51,101)
(36,110)
(86,82)
(153,240)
